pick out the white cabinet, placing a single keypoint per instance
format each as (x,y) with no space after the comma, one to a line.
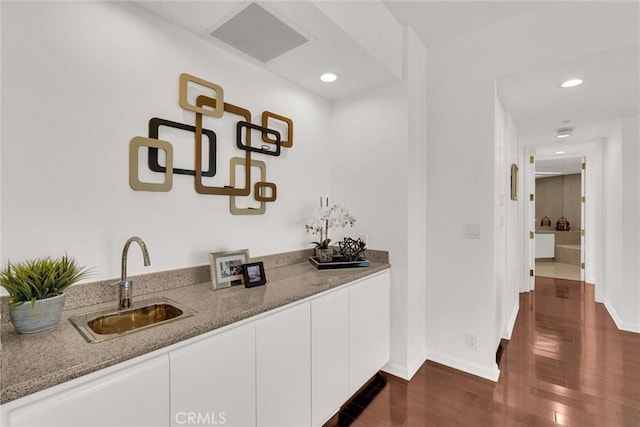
(213,380)
(545,245)
(369,345)
(283,366)
(294,366)
(329,354)
(135,395)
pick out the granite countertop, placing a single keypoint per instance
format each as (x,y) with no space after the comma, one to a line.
(30,363)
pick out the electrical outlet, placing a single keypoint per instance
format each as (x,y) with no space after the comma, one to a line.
(471,341)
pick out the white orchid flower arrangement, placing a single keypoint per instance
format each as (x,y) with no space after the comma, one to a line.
(329,217)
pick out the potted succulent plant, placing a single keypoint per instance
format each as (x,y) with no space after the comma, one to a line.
(327,217)
(36,290)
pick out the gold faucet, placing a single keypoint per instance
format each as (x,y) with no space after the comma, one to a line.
(125,288)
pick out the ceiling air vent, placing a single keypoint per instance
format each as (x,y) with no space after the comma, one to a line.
(259,34)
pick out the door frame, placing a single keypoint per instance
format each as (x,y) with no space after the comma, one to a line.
(593,222)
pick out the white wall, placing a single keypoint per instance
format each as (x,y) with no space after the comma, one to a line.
(516,231)
(510,265)
(627,298)
(460,181)
(621,208)
(79,80)
(417,203)
(500,227)
(378,160)
(369,165)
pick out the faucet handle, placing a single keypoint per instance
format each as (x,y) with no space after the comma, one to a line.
(125,294)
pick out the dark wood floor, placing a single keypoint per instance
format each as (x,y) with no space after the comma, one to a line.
(566,364)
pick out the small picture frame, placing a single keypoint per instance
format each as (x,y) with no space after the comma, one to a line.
(226,268)
(253,273)
(514,182)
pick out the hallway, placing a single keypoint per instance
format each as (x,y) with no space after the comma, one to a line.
(566,364)
(557,270)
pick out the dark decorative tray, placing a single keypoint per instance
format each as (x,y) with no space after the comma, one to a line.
(338,262)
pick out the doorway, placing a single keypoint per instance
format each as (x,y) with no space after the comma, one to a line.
(559,213)
(592,220)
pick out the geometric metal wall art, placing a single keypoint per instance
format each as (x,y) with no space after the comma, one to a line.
(184,90)
(216,107)
(265,123)
(265,149)
(239,161)
(260,189)
(154,130)
(134,149)
(227,190)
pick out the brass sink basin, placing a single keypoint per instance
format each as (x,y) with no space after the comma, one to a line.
(110,323)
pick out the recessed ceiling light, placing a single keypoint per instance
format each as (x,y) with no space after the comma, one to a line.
(560,152)
(563,133)
(329,77)
(572,83)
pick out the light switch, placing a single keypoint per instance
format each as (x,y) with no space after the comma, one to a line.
(472,231)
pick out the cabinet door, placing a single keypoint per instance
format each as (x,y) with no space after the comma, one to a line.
(329,355)
(137,395)
(368,329)
(213,380)
(283,367)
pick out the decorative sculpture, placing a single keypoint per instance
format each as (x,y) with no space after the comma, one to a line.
(352,250)
(562,224)
(545,221)
(213,106)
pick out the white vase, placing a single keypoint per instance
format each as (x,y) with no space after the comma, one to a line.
(44,315)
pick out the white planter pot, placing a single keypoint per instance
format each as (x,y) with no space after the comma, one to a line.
(43,316)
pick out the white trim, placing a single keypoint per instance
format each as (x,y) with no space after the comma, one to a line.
(492,374)
(415,364)
(511,323)
(406,373)
(621,324)
(591,150)
(396,370)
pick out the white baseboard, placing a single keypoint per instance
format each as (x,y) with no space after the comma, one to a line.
(405,372)
(622,325)
(396,370)
(512,322)
(491,374)
(415,364)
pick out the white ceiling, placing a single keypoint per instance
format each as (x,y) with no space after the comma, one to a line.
(603,50)
(555,167)
(329,49)
(438,21)
(539,106)
(608,59)
(610,90)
